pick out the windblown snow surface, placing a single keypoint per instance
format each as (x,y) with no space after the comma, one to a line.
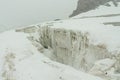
(36,52)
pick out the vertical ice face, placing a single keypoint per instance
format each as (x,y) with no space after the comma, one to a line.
(70,47)
(73,48)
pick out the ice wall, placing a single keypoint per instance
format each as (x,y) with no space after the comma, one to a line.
(69,47)
(72,47)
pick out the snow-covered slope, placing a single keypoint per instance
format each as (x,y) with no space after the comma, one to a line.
(60,50)
(20,60)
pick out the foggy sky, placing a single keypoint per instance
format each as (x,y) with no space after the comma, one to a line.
(27,12)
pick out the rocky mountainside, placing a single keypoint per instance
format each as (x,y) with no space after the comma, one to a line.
(86,5)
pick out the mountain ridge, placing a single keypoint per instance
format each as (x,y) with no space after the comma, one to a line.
(87,5)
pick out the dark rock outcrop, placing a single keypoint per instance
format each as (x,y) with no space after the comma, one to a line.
(86,5)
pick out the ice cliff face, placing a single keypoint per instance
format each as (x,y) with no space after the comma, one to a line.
(89,42)
(87,5)
(73,48)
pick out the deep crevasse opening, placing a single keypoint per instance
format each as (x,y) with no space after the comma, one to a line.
(73,48)
(68,46)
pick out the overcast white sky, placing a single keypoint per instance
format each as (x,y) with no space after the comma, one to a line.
(27,12)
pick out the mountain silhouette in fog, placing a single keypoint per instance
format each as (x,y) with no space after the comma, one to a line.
(86,5)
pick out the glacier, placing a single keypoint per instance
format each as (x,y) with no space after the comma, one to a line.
(85,47)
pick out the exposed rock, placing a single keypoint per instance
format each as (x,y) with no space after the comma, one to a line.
(86,5)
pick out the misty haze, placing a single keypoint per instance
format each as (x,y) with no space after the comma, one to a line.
(15,13)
